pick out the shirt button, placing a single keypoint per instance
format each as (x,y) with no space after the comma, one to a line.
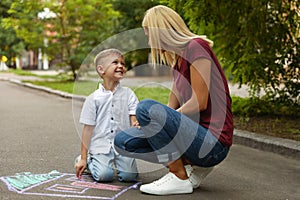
(111,131)
(112,105)
(112,118)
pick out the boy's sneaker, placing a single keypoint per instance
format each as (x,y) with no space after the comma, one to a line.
(168,184)
(197,175)
(77,159)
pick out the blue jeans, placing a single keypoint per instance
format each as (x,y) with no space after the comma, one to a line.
(166,135)
(101,167)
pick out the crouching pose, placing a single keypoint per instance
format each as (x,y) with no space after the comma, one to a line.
(194,131)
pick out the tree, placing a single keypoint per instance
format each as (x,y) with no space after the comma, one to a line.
(10,45)
(258,40)
(75,29)
(130,19)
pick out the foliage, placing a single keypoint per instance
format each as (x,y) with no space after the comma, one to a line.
(130,19)
(10,45)
(132,12)
(249,107)
(258,40)
(74,28)
(22,17)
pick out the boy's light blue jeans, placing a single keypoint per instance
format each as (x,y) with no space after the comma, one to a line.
(166,135)
(102,167)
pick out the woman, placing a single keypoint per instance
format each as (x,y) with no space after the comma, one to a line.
(196,127)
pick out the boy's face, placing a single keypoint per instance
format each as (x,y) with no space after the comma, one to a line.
(114,67)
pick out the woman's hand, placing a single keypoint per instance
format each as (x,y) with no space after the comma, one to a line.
(136,124)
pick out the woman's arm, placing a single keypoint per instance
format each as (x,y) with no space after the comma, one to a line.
(200,72)
(173,101)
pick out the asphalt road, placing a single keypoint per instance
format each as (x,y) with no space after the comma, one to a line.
(39,134)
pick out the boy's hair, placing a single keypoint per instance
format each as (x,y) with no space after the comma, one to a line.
(100,57)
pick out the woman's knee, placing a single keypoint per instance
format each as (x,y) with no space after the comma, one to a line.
(144,105)
(119,140)
(128,140)
(142,111)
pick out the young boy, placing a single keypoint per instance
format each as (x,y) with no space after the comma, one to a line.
(105,112)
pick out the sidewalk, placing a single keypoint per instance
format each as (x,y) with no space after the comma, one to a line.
(40,136)
(280,146)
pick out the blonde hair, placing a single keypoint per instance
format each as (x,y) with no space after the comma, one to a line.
(166,27)
(102,56)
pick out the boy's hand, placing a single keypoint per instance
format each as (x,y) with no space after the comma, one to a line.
(80,167)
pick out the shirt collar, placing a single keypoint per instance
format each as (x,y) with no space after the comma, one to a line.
(102,89)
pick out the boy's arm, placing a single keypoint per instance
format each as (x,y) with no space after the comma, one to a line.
(132,105)
(133,121)
(85,143)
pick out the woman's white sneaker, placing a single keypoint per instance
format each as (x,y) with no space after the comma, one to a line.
(167,185)
(197,175)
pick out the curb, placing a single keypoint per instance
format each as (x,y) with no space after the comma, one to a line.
(285,147)
(48,90)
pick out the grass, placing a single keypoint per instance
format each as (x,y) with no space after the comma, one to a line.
(20,72)
(156,93)
(65,86)
(85,88)
(273,125)
(59,77)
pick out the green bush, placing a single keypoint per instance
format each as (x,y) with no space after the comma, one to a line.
(254,106)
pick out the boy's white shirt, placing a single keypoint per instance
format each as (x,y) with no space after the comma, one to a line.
(110,113)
